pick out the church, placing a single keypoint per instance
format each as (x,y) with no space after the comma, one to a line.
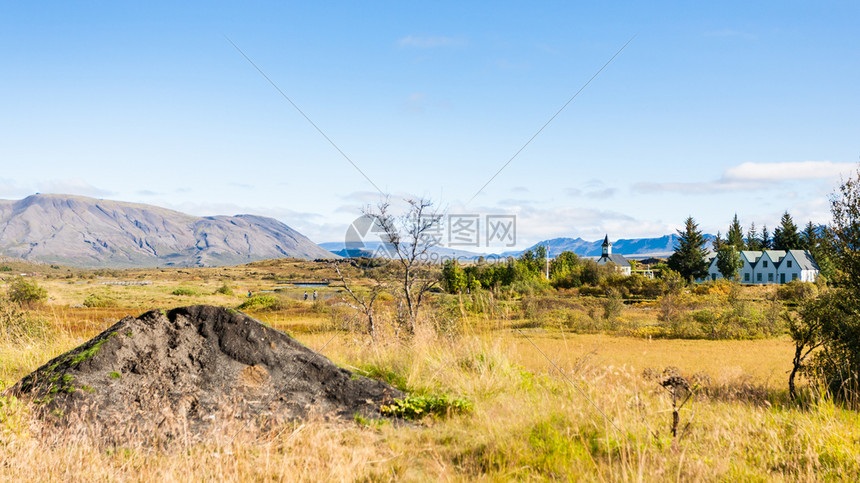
(621,263)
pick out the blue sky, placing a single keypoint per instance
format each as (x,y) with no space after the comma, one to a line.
(713,109)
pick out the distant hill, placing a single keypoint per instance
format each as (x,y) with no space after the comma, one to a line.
(86,232)
(376,248)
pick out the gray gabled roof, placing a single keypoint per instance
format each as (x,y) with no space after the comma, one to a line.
(615,258)
(752,256)
(804,260)
(775,255)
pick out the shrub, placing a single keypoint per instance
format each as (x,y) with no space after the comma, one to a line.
(263,302)
(796,291)
(831,321)
(94,300)
(185,291)
(613,305)
(416,407)
(26,292)
(224,290)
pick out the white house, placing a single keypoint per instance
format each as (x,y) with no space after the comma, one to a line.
(749,258)
(797,265)
(764,270)
(771,266)
(621,263)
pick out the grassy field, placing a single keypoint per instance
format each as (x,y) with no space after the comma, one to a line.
(548,404)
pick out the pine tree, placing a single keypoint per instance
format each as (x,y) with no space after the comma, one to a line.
(809,237)
(753,241)
(689,256)
(735,235)
(785,237)
(717,242)
(729,262)
(765,239)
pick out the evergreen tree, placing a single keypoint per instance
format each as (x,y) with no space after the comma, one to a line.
(765,239)
(717,242)
(809,237)
(689,256)
(729,262)
(753,241)
(735,235)
(785,237)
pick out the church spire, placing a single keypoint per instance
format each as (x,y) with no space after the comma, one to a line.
(607,246)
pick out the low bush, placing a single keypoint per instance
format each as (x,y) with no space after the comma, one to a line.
(95,300)
(26,292)
(224,290)
(187,291)
(263,302)
(417,407)
(796,291)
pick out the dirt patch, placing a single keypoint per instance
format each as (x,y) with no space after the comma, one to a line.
(190,367)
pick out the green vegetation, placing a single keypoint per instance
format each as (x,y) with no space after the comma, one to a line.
(90,351)
(185,291)
(115,375)
(263,302)
(26,292)
(417,407)
(224,290)
(95,300)
(729,261)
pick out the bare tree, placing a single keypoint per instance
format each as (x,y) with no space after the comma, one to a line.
(408,239)
(365,302)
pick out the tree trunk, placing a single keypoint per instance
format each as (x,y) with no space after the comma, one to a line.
(792,389)
(675,419)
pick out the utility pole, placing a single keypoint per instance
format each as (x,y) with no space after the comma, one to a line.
(547,261)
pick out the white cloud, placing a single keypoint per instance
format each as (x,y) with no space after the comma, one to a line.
(428,41)
(754,176)
(790,170)
(593,189)
(718,186)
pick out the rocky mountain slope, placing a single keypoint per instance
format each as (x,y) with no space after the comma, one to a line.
(86,232)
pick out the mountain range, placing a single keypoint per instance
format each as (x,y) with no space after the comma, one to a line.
(87,232)
(638,247)
(632,247)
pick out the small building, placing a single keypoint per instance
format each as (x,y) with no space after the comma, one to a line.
(797,265)
(621,263)
(764,270)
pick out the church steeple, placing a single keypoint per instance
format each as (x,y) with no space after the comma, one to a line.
(607,246)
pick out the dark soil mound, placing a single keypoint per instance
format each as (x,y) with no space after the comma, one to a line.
(192,367)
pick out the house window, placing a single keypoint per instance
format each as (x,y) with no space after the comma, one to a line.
(793,275)
(789,263)
(764,263)
(746,277)
(758,277)
(770,277)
